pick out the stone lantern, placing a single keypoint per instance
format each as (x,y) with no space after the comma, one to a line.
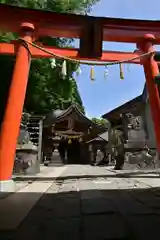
(26,161)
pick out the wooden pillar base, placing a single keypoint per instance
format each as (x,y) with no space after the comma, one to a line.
(6,187)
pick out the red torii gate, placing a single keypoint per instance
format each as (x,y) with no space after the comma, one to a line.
(32,24)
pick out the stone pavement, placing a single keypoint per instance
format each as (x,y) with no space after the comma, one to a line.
(50,172)
(96,208)
(88,171)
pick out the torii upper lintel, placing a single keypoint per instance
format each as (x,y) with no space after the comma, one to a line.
(70,25)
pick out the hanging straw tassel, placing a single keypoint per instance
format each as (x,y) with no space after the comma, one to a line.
(69,141)
(92,75)
(106,72)
(128,68)
(121,72)
(64,68)
(78,72)
(53,63)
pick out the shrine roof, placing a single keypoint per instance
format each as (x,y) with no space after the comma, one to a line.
(101,137)
(73,111)
(132,106)
(104,136)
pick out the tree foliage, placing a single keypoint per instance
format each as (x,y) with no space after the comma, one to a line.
(47,89)
(101,121)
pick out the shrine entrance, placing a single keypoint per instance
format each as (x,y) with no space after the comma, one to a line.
(73,152)
(92,31)
(68,130)
(68,152)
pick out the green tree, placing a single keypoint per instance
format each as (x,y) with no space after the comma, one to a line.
(47,89)
(101,121)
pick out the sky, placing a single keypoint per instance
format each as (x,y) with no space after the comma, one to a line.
(103,95)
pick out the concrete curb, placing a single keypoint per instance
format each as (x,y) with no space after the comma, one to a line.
(62,177)
(87,176)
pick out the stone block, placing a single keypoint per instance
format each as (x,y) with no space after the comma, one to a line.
(26,160)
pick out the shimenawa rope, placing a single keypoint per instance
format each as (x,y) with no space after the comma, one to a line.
(92,63)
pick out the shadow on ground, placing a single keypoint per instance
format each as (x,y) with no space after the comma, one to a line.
(87,215)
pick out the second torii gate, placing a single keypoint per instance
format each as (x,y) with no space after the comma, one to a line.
(92,31)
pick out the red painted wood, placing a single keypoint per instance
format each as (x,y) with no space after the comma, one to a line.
(70,25)
(109,56)
(12,117)
(151,70)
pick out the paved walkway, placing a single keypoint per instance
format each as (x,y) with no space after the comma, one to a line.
(99,207)
(50,172)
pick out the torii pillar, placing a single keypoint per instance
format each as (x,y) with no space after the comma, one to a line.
(151,70)
(12,116)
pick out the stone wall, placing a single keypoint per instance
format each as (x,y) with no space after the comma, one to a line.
(141,159)
(138,137)
(26,161)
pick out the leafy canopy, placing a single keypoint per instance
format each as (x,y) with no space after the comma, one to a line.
(101,121)
(47,89)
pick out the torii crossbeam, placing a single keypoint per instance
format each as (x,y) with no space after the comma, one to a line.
(92,31)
